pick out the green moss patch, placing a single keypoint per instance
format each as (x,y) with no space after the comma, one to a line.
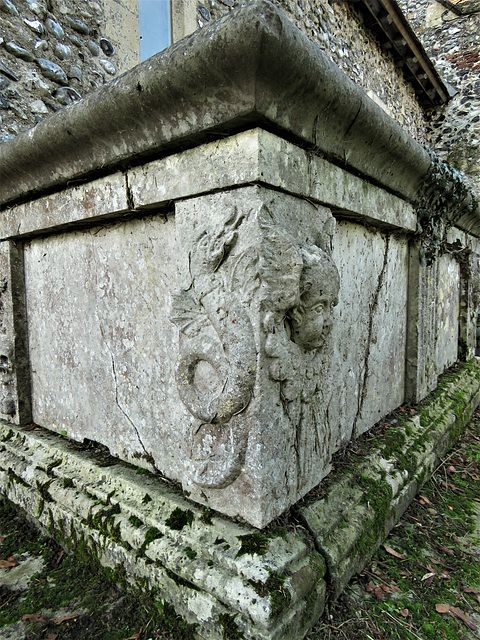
(229,626)
(111,608)
(180,518)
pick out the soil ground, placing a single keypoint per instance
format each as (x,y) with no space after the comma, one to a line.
(422,584)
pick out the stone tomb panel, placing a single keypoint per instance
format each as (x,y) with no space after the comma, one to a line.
(292,338)
(369,333)
(100,339)
(448,311)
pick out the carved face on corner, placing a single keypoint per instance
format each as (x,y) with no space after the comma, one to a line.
(311,320)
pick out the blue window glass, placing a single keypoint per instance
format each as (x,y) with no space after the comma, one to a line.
(154,26)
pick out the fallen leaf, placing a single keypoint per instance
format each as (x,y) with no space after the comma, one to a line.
(427,579)
(370,586)
(461,615)
(135,636)
(446,550)
(442,608)
(52,636)
(393,553)
(2,538)
(404,612)
(451,469)
(64,619)
(11,562)
(60,556)
(33,617)
(449,507)
(425,499)
(386,588)
(403,573)
(378,593)
(470,590)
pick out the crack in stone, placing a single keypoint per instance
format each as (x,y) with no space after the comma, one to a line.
(148,456)
(373,308)
(129,194)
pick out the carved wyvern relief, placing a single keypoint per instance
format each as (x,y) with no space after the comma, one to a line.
(267,299)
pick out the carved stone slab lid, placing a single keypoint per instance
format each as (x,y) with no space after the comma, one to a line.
(252,67)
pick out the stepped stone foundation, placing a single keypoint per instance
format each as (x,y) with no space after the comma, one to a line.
(224,300)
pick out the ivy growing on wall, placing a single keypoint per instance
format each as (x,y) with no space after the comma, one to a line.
(442,200)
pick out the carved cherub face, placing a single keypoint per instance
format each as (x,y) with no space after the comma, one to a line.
(311,320)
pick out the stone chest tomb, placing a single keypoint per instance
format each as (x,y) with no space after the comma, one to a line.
(232,314)
(212,266)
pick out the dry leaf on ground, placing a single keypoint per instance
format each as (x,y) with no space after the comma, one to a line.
(393,553)
(461,615)
(33,617)
(457,613)
(446,550)
(65,618)
(10,562)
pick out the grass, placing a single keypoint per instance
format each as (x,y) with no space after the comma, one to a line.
(424,582)
(72,584)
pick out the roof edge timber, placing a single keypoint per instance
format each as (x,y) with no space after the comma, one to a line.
(386,19)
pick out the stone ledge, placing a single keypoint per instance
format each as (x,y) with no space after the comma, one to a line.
(255,156)
(360,509)
(206,566)
(250,68)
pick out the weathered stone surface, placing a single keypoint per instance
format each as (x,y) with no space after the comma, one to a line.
(252,156)
(20,52)
(100,198)
(259,156)
(113,370)
(369,334)
(433,319)
(14,371)
(211,569)
(269,71)
(52,71)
